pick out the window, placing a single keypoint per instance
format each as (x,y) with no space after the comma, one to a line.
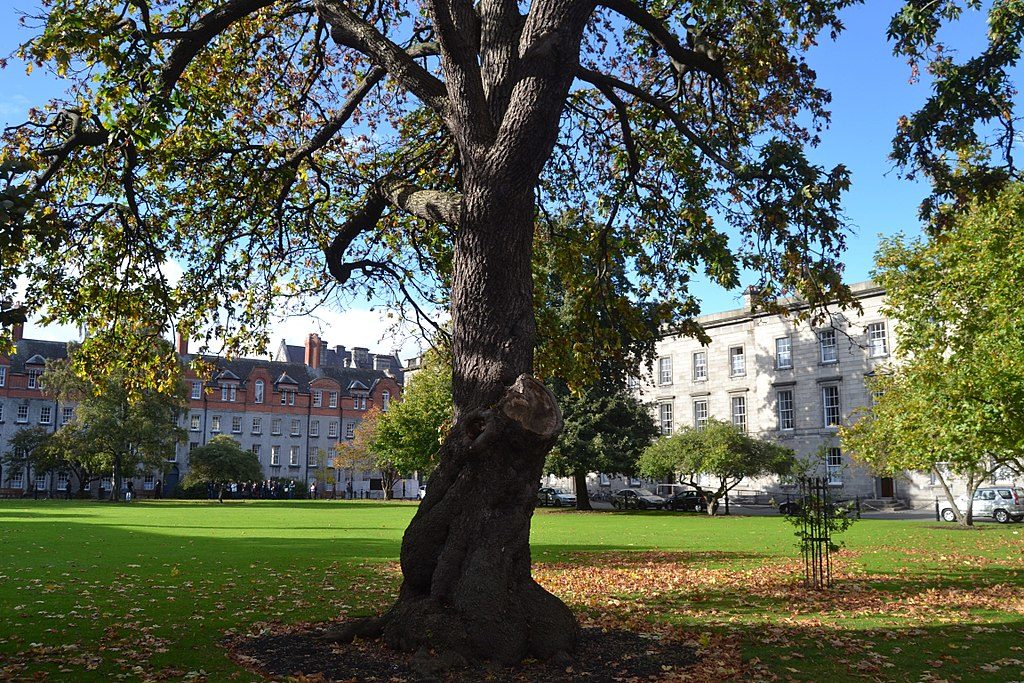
(314,428)
(295,428)
(737,361)
(318,398)
(33,379)
(739,412)
(257,425)
(197,389)
(350,430)
(236,424)
(62,481)
(40,482)
(275,426)
(3,375)
(291,398)
(275,456)
(293,456)
(830,405)
(66,414)
(314,457)
(359,402)
(215,424)
(700,414)
(332,429)
(877,342)
(256,449)
(784,401)
(1,412)
(632,383)
(193,423)
(284,397)
(224,392)
(17,480)
(665,416)
(827,344)
(45,414)
(22,414)
(258,389)
(783,353)
(148,482)
(700,366)
(665,370)
(385,400)
(332,399)
(834,466)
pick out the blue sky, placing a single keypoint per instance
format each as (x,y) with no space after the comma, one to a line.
(870,91)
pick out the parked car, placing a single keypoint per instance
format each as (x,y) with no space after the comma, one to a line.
(688,501)
(640,499)
(556,497)
(1001,503)
(793,506)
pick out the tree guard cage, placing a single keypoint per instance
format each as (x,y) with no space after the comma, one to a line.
(816,509)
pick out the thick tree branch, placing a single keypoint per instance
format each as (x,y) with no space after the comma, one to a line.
(501,27)
(622,113)
(350,30)
(431,205)
(683,58)
(79,137)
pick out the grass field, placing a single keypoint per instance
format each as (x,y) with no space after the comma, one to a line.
(93,591)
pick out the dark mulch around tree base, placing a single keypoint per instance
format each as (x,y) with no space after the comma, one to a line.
(604,656)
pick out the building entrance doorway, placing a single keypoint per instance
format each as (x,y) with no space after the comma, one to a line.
(886,487)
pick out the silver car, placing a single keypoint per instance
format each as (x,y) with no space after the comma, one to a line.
(1001,503)
(556,497)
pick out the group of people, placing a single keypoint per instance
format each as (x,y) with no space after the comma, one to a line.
(269,489)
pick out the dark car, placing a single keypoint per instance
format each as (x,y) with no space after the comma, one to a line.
(688,501)
(639,499)
(795,505)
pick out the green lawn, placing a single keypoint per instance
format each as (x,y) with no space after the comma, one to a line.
(92,590)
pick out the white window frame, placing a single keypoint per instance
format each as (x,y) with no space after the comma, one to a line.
(16,480)
(236,424)
(783,353)
(40,482)
(215,424)
(332,429)
(256,448)
(224,392)
(700,366)
(22,417)
(33,378)
(197,390)
(148,482)
(275,426)
(834,465)
(295,428)
(828,349)
(700,413)
(314,428)
(385,401)
(738,405)
(831,408)
(318,398)
(3,375)
(1,412)
(665,370)
(665,414)
(67,414)
(257,425)
(259,391)
(63,481)
(194,423)
(293,456)
(737,369)
(45,414)
(350,430)
(785,409)
(275,456)
(876,332)
(332,399)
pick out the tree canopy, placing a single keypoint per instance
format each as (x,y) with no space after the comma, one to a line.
(721,450)
(953,400)
(222,460)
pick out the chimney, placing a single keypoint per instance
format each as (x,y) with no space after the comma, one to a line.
(181,343)
(313,347)
(361,357)
(18,332)
(381,363)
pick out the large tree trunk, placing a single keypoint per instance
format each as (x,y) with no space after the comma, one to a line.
(582,493)
(465,558)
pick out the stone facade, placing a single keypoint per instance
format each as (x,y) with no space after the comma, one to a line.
(290,411)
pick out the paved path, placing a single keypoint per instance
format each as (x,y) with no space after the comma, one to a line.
(766,511)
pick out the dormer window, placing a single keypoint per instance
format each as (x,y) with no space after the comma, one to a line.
(258,391)
(3,375)
(33,378)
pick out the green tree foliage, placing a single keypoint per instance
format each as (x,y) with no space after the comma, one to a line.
(27,452)
(606,430)
(721,450)
(220,461)
(954,399)
(963,138)
(408,436)
(122,423)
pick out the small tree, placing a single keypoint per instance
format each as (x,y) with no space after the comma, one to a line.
(408,436)
(355,454)
(26,451)
(220,461)
(606,430)
(721,450)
